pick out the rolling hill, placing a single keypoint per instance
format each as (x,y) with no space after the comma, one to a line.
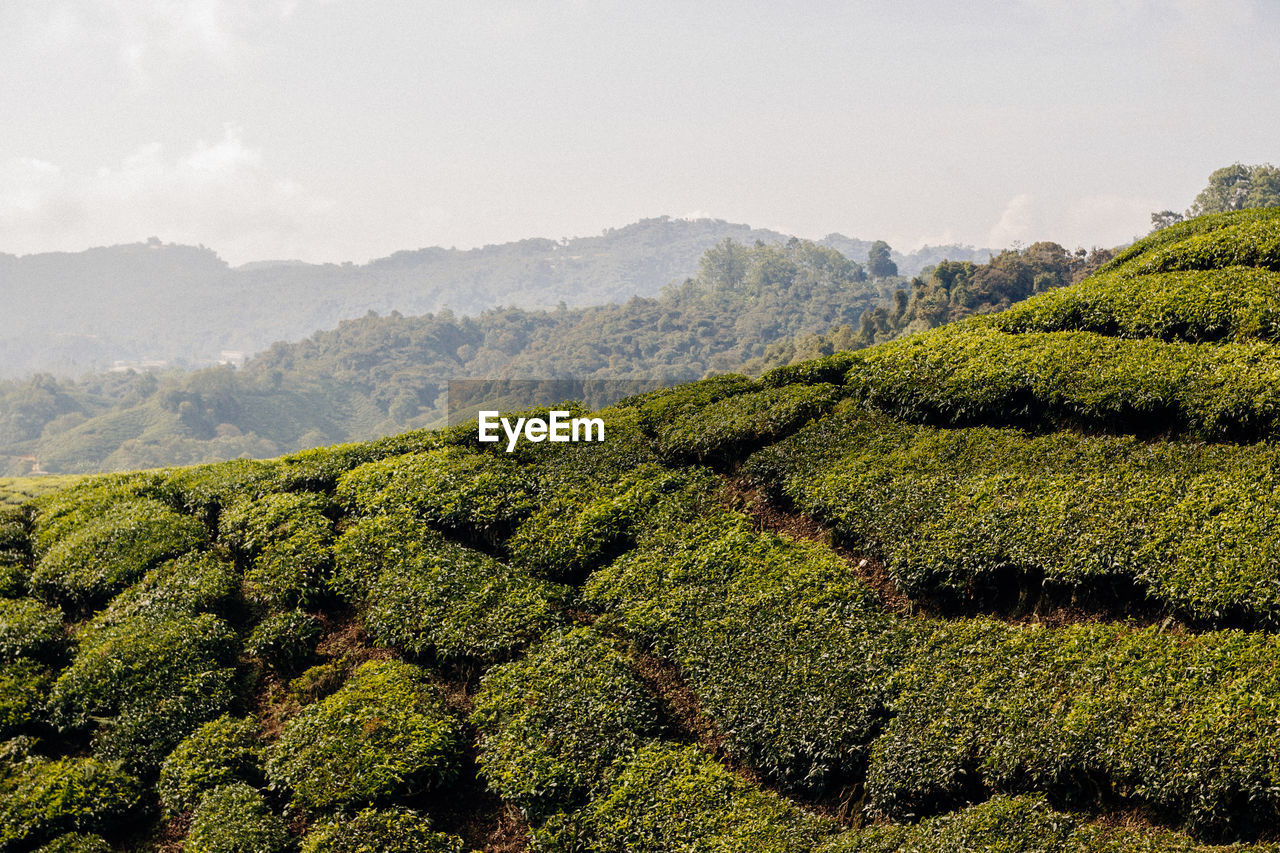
(1008,584)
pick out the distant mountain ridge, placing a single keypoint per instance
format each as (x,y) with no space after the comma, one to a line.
(70,313)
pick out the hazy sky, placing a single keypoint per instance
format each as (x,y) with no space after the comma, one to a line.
(346,129)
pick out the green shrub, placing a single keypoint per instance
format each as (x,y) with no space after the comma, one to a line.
(76,842)
(478,495)
(727,429)
(1014,825)
(385,733)
(41,799)
(583,526)
(205,490)
(29,629)
(1252,241)
(454,602)
(99,558)
(670,798)
(1237,304)
(193,583)
(285,641)
(24,684)
(381,831)
(287,541)
(653,410)
(372,544)
(220,752)
(13,579)
(967,374)
(235,819)
(15,537)
(150,680)
(553,721)
(60,512)
(962,515)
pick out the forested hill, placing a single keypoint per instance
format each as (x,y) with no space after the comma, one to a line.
(1011,584)
(71,313)
(380,375)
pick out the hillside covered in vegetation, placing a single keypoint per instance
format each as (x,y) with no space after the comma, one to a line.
(749,307)
(1009,584)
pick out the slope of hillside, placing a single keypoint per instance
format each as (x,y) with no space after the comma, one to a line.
(931,595)
(70,313)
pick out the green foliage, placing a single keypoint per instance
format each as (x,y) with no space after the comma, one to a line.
(581,525)
(205,490)
(15,538)
(1014,825)
(220,752)
(381,831)
(670,798)
(965,515)
(24,684)
(386,733)
(1235,303)
(41,799)
(480,496)
(370,546)
(193,583)
(29,628)
(102,556)
(1239,187)
(454,602)
(552,722)
(76,842)
(235,819)
(727,429)
(60,512)
(970,374)
(150,680)
(286,640)
(287,541)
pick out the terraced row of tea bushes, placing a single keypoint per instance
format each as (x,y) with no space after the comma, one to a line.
(1232,304)
(452,602)
(964,515)
(1017,825)
(42,799)
(1183,725)
(802,672)
(969,374)
(286,542)
(552,722)
(1234,231)
(1252,241)
(780,641)
(727,429)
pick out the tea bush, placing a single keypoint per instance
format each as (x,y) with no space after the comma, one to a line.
(965,514)
(205,490)
(1236,304)
(150,680)
(477,495)
(968,374)
(286,640)
(385,733)
(727,429)
(454,602)
(24,684)
(287,541)
(677,798)
(42,799)
(15,537)
(76,842)
(553,721)
(235,818)
(220,752)
(1252,242)
(60,512)
(381,831)
(370,545)
(29,628)
(193,583)
(99,558)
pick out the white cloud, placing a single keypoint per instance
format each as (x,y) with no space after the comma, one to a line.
(147,33)
(218,193)
(1018,223)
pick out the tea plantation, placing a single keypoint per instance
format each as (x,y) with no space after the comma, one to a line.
(1009,585)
